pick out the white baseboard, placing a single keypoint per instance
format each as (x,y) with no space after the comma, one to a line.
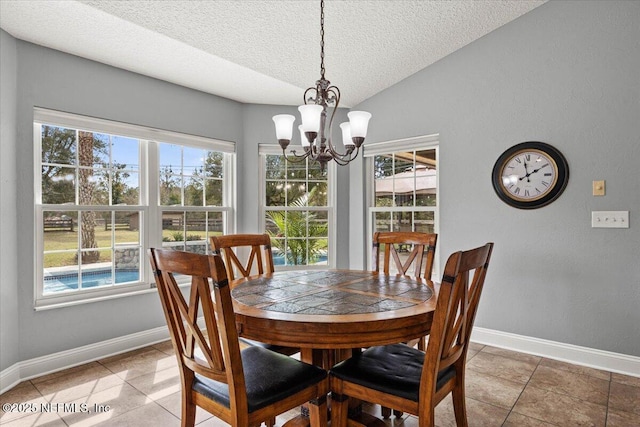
(10,377)
(593,358)
(599,359)
(43,365)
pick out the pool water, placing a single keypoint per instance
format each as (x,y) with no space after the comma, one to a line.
(96,278)
(90,279)
(278,259)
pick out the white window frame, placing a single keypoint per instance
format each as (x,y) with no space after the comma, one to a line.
(418,143)
(150,208)
(272,149)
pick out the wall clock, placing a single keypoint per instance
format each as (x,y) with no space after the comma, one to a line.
(530,175)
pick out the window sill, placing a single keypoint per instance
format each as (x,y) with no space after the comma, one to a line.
(44,304)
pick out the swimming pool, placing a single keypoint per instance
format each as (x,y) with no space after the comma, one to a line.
(278,259)
(90,279)
(62,282)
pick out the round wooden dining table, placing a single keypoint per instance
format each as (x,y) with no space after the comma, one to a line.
(329,313)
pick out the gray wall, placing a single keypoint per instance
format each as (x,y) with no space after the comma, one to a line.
(51,79)
(567,73)
(9,352)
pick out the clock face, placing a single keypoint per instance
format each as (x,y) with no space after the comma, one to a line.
(530,175)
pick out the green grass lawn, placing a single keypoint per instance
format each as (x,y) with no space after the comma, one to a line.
(68,240)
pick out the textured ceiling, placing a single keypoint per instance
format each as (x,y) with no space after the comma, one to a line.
(264,52)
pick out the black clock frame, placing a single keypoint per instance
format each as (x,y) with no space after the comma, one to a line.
(556,191)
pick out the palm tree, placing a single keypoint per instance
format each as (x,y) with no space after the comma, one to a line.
(305,235)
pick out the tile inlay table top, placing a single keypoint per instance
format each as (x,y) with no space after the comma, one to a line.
(332,308)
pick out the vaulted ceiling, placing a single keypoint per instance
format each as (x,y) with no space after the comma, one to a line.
(264,52)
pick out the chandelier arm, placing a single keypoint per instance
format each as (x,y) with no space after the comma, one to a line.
(335,92)
(346,159)
(295,158)
(304,96)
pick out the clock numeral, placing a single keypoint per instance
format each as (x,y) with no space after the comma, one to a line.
(545,183)
(528,157)
(518,160)
(544,166)
(526,193)
(517,190)
(538,191)
(548,174)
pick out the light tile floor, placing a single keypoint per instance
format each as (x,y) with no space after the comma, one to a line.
(504,388)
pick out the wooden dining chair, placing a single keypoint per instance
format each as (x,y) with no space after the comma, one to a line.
(408,379)
(260,261)
(390,244)
(260,256)
(242,388)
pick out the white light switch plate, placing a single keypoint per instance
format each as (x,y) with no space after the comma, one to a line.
(610,219)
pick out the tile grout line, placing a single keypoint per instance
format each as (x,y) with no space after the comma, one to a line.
(606,416)
(520,395)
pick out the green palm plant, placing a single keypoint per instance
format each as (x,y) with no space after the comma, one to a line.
(305,235)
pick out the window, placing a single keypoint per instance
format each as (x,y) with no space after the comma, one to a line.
(107,191)
(193,197)
(297,209)
(404,184)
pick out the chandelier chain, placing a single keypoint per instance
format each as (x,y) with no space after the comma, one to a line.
(322,39)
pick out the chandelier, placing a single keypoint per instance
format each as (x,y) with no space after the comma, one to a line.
(315,132)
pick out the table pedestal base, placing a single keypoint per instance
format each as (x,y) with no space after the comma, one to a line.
(362,420)
(365,420)
(326,359)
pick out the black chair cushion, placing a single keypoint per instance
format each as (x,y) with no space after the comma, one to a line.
(269,377)
(394,369)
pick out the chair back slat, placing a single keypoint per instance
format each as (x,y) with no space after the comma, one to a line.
(455,312)
(260,255)
(422,252)
(199,351)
